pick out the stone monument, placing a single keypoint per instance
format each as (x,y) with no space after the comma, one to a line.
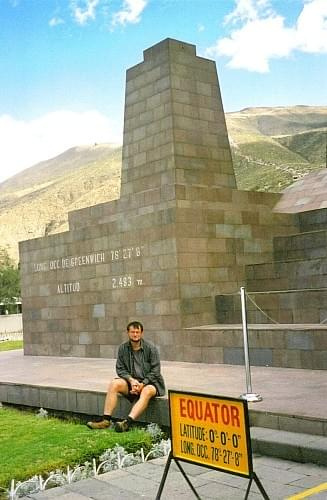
(180,234)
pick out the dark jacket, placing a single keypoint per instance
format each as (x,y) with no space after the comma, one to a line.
(151,364)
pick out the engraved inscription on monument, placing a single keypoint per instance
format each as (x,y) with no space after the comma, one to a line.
(69,262)
(92,259)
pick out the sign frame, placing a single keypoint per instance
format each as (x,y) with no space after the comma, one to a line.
(233,415)
(228,399)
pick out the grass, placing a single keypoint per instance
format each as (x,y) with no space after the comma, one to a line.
(9,345)
(31,445)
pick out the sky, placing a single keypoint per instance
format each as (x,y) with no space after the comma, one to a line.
(63,63)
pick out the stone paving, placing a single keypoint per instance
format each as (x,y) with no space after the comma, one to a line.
(288,391)
(280,478)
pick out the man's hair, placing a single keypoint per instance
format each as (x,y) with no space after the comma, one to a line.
(135,324)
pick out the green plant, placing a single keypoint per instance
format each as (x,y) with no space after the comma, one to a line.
(10,345)
(9,281)
(33,446)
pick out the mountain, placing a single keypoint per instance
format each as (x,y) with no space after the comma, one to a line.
(271,148)
(36,202)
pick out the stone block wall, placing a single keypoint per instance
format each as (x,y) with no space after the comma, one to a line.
(305,306)
(286,347)
(291,287)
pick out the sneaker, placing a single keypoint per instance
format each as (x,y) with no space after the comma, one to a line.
(102,424)
(121,426)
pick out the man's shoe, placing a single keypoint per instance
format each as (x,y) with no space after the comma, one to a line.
(102,424)
(122,426)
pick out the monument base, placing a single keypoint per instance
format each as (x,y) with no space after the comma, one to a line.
(79,385)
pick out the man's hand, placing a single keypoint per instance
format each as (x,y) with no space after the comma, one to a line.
(136,386)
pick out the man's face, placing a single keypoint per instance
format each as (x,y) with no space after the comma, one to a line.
(134,334)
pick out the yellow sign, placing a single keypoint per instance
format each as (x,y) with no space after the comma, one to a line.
(211,431)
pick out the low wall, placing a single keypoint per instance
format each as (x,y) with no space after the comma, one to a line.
(91,403)
(11,326)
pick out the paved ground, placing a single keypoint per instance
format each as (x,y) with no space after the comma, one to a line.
(280,478)
(286,391)
(289,392)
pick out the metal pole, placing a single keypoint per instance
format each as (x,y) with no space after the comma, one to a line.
(249,395)
(245,342)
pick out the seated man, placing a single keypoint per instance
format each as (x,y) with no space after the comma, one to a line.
(139,379)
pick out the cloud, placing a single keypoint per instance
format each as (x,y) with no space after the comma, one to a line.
(55,21)
(260,34)
(248,10)
(84,10)
(130,12)
(312,27)
(25,143)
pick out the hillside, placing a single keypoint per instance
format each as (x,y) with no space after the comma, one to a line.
(36,201)
(271,148)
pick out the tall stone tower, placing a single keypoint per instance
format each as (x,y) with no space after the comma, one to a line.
(180,233)
(175,130)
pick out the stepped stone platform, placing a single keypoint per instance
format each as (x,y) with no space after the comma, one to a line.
(290,290)
(279,345)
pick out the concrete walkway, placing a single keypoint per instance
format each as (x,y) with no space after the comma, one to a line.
(280,479)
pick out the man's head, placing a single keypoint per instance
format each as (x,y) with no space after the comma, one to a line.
(135,331)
